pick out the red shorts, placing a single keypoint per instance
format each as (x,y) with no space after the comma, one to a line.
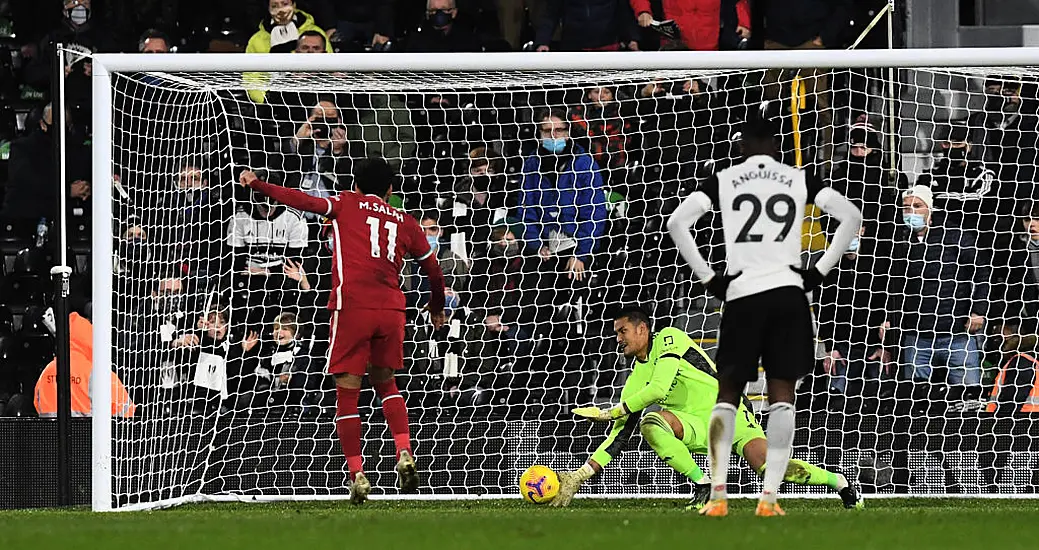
(363,337)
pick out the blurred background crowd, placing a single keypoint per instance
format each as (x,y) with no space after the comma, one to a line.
(547,204)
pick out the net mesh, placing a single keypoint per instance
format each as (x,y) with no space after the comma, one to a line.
(221,331)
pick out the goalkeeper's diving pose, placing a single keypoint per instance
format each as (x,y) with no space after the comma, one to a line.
(673,372)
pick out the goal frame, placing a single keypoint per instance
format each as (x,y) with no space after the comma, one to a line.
(104,65)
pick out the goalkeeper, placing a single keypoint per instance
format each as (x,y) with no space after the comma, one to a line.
(673,372)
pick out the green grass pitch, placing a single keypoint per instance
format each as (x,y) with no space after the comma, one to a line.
(887,524)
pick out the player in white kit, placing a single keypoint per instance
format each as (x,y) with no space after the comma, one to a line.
(766,319)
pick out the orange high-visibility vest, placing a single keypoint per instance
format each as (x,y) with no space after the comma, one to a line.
(81,334)
(1031,404)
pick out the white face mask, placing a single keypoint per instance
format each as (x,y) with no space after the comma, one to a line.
(79,15)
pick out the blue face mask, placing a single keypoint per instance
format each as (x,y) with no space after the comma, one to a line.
(915,222)
(433,242)
(854,246)
(553,145)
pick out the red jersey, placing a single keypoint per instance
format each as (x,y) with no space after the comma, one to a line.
(370,242)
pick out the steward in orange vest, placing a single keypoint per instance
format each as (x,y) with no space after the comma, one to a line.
(1017,386)
(81,334)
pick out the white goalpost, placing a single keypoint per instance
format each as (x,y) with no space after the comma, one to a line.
(208,304)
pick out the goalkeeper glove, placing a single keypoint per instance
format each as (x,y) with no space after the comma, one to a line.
(569,483)
(701,494)
(599,415)
(718,285)
(811,277)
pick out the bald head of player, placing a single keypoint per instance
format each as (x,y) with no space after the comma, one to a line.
(374,176)
(632,326)
(758,137)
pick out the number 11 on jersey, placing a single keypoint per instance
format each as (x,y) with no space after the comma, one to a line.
(391,238)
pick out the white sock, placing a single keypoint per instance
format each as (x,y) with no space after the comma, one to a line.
(780,444)
(720,432)
(842,482)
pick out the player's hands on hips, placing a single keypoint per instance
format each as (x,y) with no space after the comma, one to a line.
(718,285)
(569,484)
(811,277)
(247,178)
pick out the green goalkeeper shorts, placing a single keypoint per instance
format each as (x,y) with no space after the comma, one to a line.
(694,429)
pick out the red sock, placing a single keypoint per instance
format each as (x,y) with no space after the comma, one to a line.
(348,426)
(396,413)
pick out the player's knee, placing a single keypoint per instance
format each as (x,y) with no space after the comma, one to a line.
(348,381)
(653,425)
(380,375)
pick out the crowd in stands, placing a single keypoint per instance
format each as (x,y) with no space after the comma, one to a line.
(546,207)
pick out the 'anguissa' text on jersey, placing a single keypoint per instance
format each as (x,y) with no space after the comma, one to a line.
(381,208)
(762,174)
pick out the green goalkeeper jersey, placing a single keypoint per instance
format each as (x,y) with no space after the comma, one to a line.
(677,375)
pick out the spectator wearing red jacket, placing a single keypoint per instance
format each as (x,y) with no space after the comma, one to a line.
(699,21)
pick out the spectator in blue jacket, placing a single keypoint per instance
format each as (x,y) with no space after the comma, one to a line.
(563,202)
(937,301)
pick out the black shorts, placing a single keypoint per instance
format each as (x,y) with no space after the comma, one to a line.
(771,328)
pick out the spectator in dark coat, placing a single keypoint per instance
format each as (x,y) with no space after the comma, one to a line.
(79,30)
(588,25)
(448,30)
(599,124)
(1009,130)
(1015,295)
(364,22)
(31,192)
(937,300)
(805,24)
(850,310)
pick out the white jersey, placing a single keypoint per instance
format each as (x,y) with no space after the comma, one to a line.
(762,204)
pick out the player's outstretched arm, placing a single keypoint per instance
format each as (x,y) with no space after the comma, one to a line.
(289,197)
(612,446)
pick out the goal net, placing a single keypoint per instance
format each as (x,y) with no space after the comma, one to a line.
(209,300)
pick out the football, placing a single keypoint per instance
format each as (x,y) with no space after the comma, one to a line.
(539,484)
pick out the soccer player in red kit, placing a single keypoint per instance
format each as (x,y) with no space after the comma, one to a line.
(371,240)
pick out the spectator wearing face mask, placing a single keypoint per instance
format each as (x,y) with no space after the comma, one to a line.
(861,176)
(964,187)
(280,32)
(564,202)
(79,30)
(937,293)
(447,29)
